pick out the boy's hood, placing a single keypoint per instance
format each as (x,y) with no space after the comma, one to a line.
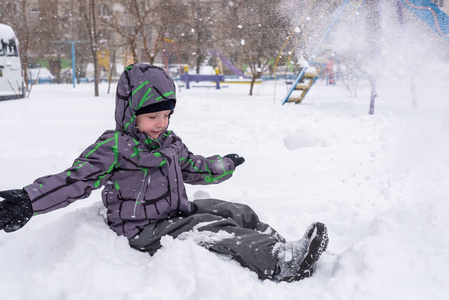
(140,85)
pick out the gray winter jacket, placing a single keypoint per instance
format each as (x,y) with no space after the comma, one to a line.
(143,179)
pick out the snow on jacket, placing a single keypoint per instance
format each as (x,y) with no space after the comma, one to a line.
(143,178)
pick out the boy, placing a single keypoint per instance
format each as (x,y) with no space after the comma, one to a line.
(142,168)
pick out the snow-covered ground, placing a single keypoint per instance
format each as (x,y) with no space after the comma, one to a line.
(380,182)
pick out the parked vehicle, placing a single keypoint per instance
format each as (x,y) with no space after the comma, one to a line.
(12,85)
(40,75)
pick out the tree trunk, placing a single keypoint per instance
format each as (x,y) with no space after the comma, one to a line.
(133,52)
(372,82)
(111,70)
(374,36)
(25,71)
(253,80)
(95,50)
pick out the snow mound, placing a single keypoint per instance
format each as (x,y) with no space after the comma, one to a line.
(303,138)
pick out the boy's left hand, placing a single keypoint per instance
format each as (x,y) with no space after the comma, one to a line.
(238,160)
(15,210)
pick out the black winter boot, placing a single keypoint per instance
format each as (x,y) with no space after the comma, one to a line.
(297,259)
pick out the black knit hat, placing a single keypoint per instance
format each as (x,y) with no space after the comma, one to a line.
(158,106)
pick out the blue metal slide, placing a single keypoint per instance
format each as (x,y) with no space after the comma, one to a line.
(301,74)
(434,17)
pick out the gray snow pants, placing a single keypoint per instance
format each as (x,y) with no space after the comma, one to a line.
(248,241)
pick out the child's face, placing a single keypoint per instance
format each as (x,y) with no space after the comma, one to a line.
(154,123)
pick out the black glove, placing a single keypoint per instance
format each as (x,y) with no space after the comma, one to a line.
(15,210)
(236,159)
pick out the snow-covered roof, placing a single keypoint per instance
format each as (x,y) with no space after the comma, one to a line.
(6,32)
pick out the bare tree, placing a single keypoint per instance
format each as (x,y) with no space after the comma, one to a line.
(144,26)
(250,33)
(257,33)
(47,28)
(88,11)
(202,23)
(128,24)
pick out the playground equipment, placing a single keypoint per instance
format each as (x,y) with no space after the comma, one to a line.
(167,48)
(225,61)
(306,82)
(187,78)
(314,23)
(312,75)
(434,17)
(240,77)
(166,53)
(425,10)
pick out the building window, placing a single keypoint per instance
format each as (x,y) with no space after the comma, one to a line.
(103,11)
(8,47)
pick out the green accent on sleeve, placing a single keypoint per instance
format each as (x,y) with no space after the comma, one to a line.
(137,151)
(97,183)
(212,179)
(117,187)
(162,163)
(222,165)
(101,144)
(114,148)
(192,164)
(81,164)
(207,174)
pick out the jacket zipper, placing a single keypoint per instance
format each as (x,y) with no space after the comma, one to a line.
(140,192)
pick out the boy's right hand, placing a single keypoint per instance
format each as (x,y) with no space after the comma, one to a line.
(238,160)
(15,211)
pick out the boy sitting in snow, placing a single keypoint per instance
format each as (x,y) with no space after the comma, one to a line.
(143,167)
